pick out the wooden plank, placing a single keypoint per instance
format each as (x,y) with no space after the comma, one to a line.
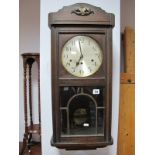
(127,78)
(126,131)
(126,137)
(129,47)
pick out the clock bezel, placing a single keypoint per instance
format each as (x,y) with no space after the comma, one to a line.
(98,36)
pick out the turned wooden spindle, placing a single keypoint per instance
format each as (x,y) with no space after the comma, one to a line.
(39,108)
(30,61)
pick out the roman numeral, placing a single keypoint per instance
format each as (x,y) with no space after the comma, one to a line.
(95,63)
(82,40)
(67,64)
(94,48)
(67,48)
(73,42)
(73,69)
(89,69)
(81,72)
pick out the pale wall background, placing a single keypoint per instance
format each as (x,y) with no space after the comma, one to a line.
(127,19)
(51,6)
(127,14)
(29,34)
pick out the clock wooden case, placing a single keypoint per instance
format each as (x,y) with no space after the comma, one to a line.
(81,60)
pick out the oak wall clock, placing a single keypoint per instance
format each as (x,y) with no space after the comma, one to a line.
(81,54)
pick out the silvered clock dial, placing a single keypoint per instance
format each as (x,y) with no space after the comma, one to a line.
(81,56)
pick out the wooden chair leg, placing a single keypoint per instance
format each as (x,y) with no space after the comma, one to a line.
(24,145)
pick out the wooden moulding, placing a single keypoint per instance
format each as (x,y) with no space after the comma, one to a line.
(70,15)
(69,145)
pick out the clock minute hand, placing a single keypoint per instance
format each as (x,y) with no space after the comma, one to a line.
(81,56)
(80,50)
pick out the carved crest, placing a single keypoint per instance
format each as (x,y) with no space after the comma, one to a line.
(82,11)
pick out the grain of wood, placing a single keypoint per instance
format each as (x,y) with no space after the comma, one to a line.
(126,141)
(129,46)
(126,131)
(36,150)
(127,78)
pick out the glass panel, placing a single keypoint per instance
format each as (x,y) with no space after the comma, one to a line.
(98,94)
(68,91)
(100,121)
(82,116)
(63,122)
(82,110)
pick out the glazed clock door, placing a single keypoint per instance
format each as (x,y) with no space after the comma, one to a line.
(81,57)
(82,110)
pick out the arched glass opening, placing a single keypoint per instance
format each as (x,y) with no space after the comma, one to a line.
(82,115)
(82,110)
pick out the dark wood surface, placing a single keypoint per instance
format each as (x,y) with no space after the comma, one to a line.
(66,16)
(35,128)
(65,24)
(35,150)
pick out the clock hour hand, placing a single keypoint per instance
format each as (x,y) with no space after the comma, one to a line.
(78,62)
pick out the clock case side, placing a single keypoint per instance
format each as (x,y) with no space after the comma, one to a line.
(59,20)
(54,85)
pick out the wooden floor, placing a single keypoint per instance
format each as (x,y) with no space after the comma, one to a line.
(36,150)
